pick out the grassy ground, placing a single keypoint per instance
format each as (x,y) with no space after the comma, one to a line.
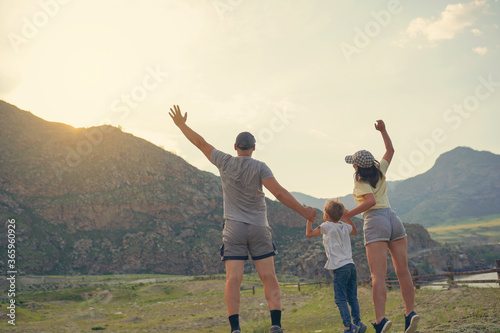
(198,306)
(475,231)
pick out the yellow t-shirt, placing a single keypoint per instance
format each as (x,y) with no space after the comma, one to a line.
(380,191)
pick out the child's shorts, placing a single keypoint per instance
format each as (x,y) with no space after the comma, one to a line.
(382,225)
(239,239)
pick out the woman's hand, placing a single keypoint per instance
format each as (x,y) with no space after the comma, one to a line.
(380,125)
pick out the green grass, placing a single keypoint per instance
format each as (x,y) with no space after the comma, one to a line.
(470,231)
(198,306)
(468,220)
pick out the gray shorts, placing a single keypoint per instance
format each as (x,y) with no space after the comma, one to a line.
(239,239)
(382,225)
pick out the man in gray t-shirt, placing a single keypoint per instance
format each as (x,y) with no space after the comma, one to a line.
(241,178)
(246,230)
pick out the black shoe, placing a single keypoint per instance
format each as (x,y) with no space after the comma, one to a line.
(383,327)
(411,322)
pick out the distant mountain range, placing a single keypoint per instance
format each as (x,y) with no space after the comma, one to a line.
(100,201)
(463,183)
(347,200)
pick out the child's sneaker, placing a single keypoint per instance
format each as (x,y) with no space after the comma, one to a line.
(383,327)
(354,329)
(411,322)
(362,327)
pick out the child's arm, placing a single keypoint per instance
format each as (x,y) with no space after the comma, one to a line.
(389,149)
(354,231)
(310,232)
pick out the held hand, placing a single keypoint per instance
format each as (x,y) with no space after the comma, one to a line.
(346,215)
(310,214)
(380,125)
(177,116)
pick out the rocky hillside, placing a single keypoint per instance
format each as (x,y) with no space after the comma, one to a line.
(462,183)
(100,201)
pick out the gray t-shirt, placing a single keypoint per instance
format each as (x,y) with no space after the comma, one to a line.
(242,177)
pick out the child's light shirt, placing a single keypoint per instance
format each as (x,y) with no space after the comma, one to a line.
(337,244)
(380,191)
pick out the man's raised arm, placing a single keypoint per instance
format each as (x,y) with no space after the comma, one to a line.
(287,199)
(195,138)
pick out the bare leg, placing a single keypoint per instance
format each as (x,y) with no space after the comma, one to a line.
(399,256)
(376,253)
(234,276)
(272,291)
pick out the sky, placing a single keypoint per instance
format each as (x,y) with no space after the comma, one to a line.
(307,78)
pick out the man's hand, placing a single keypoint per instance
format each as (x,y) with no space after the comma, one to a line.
(177,116)
(191,135)
(310,214)
(380,125)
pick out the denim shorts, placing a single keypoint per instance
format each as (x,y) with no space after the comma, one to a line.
(382,225)
(240,239)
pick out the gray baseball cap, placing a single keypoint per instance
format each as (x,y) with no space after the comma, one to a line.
(245,141)
(362,158)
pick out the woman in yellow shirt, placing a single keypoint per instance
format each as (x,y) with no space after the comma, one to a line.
(383,231)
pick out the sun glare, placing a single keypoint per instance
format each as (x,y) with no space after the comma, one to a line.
(74,73)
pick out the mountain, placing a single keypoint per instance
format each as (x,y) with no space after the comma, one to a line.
(347,200)
(100,201)
(462,183)
(309,200)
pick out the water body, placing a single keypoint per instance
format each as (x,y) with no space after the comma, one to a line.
(460,280)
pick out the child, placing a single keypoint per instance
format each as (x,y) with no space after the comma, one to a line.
(338,250)
(382,230)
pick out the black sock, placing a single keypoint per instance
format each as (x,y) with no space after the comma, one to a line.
(276,318)
(234,321)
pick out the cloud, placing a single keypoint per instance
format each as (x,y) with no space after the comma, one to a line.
(477,32)
(454,19)
(480,50)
